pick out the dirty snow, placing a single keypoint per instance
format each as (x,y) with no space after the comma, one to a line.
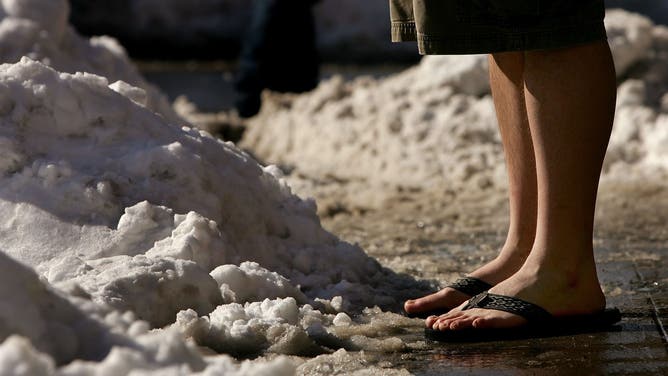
(132,244)
(105,233)
(39,29)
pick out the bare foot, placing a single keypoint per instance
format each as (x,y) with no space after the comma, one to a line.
(493,272)
(557,292)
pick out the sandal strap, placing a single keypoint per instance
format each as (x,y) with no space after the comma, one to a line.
(531,312)
(470,286)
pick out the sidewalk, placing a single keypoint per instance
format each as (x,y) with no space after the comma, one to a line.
(639,348)
(631,249)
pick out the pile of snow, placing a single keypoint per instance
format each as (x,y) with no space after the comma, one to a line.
(639,142)
(39,29)
(434,124)
(151,355)
(41,329)
(53,324)
(105,168)
(89,173)
(412,130)
(146,234)
(121,211)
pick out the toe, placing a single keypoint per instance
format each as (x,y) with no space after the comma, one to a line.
(481,323)
(496,319)
(443,322)
(450,316)
(423,304)
(441,325)
(462,323)
(444,299)
(429,322)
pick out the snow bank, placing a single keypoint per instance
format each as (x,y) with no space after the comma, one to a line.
(39,29)
(102,167)
(170,357)
(434,124)
(121,211)
(413,129)
(53,324)
(40,329)
(639,142)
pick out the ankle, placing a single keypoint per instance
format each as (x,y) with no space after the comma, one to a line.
(513,257)
(498,269)
(516,248)
(566,273)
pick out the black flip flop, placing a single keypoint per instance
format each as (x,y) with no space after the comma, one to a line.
(540,323)
(468,285)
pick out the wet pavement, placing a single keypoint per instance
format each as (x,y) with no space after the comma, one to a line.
(635,347)
(423,237)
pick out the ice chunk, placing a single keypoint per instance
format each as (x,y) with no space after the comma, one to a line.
(342,319)
(19,358)
(251,282)
(137,95)
(154,289)
(343,362)
(277,325)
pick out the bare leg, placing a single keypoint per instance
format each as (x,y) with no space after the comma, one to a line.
(506,78)
(570,97)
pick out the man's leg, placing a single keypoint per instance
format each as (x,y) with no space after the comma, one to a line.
(249,81)
(506,79)
(570,97)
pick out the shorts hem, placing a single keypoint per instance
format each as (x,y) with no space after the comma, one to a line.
(404,31)
(491,40)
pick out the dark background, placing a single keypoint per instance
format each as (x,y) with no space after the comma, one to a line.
(159,40)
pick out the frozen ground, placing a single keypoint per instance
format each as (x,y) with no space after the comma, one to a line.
(135,244)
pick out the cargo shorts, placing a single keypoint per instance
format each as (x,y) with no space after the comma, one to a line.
(486,26)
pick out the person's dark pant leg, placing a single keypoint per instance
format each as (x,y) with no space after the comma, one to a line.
(279,52)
